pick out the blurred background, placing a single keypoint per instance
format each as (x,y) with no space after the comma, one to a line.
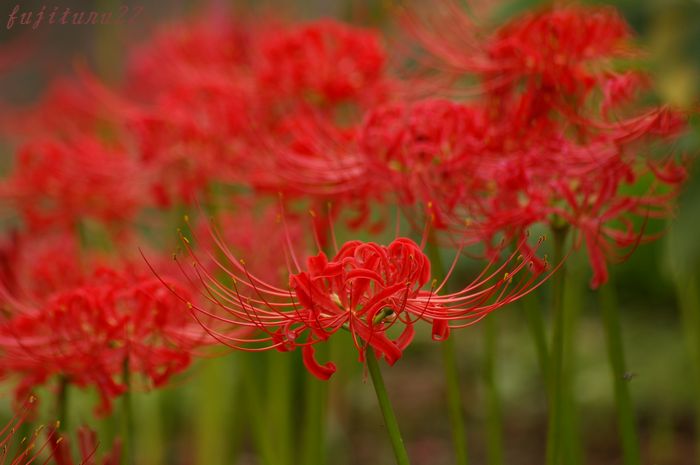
(183,423)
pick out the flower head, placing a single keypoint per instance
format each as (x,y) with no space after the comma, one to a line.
(563,143)
(90,333)
(58,183)
(365,288)
(324,63)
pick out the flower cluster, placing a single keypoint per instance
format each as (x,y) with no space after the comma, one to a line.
(87,327)
(540,121)
(557,136)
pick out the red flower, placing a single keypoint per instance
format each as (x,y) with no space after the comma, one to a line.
(563,141)
(31,447)
(365,289)
(428,152)
(57,183)
(181,52)
(88,333)
(538,62)
(323,63)
(38,265)
(27,451)
(87,446)
(197,102)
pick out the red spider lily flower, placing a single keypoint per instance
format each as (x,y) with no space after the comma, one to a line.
(87,446)
(90,333)
(40,264)
(27,451)
(317,80)
(215,44)
(195,109)
(365,288)
(428,151)
(309,157)
(446,162)
(564,138)
(210,120)
(480,181)
(539,62)
(224,115)
(58,183)
(240,230)
(323,63)
(193,136)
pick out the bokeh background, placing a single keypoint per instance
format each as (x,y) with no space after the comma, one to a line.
(202,416)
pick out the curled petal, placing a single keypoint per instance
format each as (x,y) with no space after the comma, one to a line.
(322,372)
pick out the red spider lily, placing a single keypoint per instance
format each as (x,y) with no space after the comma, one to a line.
(366,289)
(316,80)
(87,446)
(478,181)
(428,152)
(193,136)
(59,183)
(261,109)
(240,230)
(312,158)
(91,333)
(214,44)
(64,109)
(323,63)
(542,61)
(27,451)
(562,141)
(195,108)
(38,265)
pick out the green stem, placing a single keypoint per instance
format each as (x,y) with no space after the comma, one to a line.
(129,452)
(494,428)
(280,403)
(151,436)
(315,407)
(616,357)
(572,298)
(249,379)
(536,326)
(557,381)
(689,303)
(214,415)
(455,402)
(392,425)
(62,402)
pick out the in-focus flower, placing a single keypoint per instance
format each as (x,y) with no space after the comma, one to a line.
(365,288)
